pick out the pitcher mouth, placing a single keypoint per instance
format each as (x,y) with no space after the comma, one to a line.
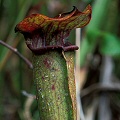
(43,33)
(38,44)
(44,49)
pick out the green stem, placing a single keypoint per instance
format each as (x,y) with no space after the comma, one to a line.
(54,76)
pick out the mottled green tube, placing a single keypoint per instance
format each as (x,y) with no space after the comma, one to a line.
(53,86)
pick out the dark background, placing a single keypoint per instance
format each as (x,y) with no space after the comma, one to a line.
(99,58)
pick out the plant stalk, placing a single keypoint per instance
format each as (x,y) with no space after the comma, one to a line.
(55,84)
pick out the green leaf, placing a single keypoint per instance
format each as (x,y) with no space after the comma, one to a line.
(110,45)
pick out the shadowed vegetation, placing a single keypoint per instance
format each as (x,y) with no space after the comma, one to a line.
(99,58)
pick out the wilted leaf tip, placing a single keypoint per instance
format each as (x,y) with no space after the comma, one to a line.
(38,21)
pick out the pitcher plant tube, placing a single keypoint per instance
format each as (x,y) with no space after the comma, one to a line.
(53,61)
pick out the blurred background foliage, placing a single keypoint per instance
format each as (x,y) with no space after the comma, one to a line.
(99,58)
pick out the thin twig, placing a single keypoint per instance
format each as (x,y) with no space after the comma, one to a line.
(80,113)
(17,53)
(95,88)
(28,94)
(27,113)
(28,103)
(104,111)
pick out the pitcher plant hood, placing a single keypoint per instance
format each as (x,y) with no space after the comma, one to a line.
(43,33)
